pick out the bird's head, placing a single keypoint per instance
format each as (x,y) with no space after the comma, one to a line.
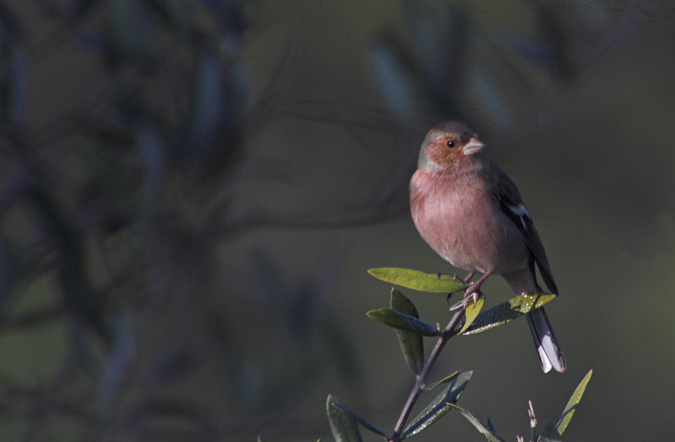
(447,144)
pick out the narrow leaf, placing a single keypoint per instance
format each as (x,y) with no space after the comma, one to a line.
(490,426)
(486,431)
(398,320)
(549,433)
(508,311)
(342,424)
(360,419)
(471,312)
(445,380)
(571,406)
(439,406)
(412,344)
(416,280)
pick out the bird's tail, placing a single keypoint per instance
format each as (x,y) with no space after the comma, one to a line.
(550,355)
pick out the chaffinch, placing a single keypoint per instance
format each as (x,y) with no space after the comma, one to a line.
(472,215)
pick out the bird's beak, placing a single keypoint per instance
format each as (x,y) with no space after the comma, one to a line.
(473,146)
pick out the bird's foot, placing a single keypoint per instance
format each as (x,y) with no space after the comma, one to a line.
(470,297)
(472,293)
(466,280)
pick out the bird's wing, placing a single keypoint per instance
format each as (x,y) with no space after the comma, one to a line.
(510,201)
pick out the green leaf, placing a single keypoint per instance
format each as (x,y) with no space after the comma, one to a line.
(571,406)
(412,344)
(486,431)
(401,321)
(508,311)
(549,433)
(342,424)
(471,312)
(445,380)
(415,280)
(360,419)
(439,406)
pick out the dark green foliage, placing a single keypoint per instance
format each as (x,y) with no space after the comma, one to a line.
(412,344)
(439,406)
(333,401)
(403,317)
(486,431)
(342,423)
(401,321)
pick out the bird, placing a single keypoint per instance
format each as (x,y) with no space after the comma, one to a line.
(471,213)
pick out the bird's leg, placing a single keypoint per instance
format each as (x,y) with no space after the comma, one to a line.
(474,287)
(468,277)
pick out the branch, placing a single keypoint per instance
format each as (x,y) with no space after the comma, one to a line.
(449,331)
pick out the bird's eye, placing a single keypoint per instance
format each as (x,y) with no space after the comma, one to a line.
(450,144)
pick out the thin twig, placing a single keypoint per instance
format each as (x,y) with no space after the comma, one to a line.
(533,422)
(449,331)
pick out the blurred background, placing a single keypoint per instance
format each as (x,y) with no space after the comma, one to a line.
(191,193)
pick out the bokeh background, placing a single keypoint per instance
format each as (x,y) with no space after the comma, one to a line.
(191,193)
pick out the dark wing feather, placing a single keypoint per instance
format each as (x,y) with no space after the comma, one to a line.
(510,201)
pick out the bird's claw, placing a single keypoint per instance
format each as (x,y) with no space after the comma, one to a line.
(470,297)
(459,305)
(463,304)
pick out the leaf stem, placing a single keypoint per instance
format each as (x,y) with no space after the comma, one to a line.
(449,331)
